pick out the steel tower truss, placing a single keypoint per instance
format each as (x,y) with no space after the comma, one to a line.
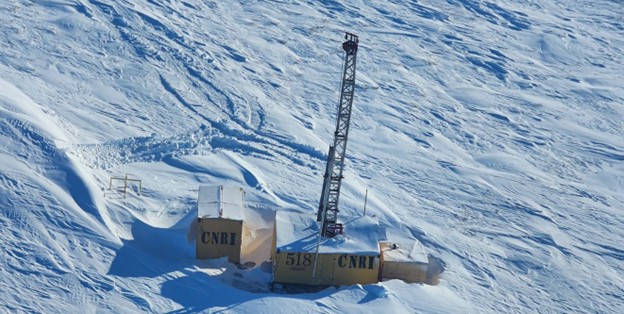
(328,207)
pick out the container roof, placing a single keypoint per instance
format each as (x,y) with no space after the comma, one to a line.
(405,252)
(220,202)
(296,232)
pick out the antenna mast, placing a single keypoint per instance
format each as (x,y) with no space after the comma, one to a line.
(328,207)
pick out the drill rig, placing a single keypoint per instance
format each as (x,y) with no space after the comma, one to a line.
(328,206)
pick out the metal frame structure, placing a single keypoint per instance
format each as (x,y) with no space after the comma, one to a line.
(328,207)
(125,179)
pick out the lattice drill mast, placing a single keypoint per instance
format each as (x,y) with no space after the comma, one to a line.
(328,207)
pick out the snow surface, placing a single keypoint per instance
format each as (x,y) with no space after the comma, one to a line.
(297,232)
(413,252)
(490,131)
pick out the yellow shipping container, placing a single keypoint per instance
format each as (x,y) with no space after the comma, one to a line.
(351,258)
(220,228)
(408,262)
(219,237)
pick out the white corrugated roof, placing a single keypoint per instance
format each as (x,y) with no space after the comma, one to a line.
(220,202)
(298,232)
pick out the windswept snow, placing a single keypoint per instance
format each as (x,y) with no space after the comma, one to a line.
(490,131)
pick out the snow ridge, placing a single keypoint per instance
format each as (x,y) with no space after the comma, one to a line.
(491,131)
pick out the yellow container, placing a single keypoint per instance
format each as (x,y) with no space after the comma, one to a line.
(408,262)
(219,237)
(331,269)
(220,228)
(351,258)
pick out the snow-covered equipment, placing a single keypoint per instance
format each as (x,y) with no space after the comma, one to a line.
(317,252)
(352,258)
(408,262)
(312,252)
(220,226)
